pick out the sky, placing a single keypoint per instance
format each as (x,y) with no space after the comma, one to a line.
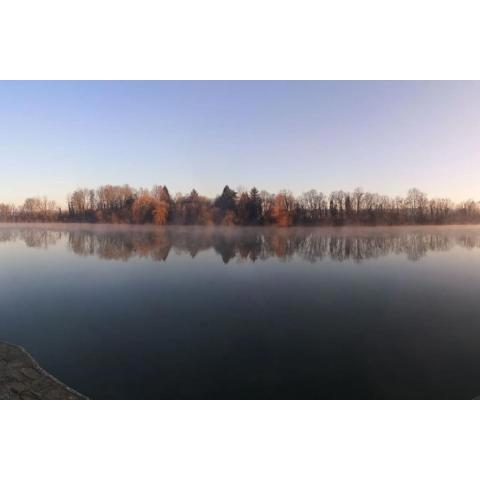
(383,136)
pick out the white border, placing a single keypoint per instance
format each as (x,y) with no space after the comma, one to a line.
(239,440)
(248,39)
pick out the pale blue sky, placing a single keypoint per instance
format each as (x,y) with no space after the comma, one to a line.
(383,136)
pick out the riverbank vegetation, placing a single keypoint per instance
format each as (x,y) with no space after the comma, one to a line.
(124,204)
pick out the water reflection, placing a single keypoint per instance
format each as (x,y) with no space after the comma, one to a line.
(247,244)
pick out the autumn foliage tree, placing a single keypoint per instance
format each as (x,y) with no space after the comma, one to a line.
(283,209)
(125,204)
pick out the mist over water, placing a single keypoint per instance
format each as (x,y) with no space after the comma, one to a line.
(200,312)
(244,243)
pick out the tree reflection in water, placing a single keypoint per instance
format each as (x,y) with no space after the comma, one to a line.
(247,244)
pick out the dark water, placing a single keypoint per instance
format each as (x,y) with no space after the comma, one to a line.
(247,313)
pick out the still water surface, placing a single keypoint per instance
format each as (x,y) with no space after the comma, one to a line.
(210,313)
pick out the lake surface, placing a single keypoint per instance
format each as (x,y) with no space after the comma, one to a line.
(254,313)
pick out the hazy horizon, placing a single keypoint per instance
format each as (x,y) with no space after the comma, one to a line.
(383,136)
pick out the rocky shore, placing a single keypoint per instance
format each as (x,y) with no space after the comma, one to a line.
(22,378)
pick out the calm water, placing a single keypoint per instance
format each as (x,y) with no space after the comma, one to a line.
(247,313)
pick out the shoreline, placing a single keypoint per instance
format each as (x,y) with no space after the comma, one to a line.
(22,378)
(148,226)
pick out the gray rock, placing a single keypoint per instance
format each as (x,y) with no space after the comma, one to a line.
(22,378)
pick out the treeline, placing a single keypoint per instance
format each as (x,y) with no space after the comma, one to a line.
(124,204)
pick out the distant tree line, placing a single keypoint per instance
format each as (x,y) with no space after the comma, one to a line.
(124,204)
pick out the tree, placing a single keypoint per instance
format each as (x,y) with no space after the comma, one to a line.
(311,205)
(143,208)
(226,202)
(161,194)
(123,204)
(348,206)
(417,203)
(192,209)
(267,201)
(243,210)
(255,207)
(357,200)
(7,212)
(283,208)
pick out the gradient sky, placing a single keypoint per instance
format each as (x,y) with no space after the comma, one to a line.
(383,136)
